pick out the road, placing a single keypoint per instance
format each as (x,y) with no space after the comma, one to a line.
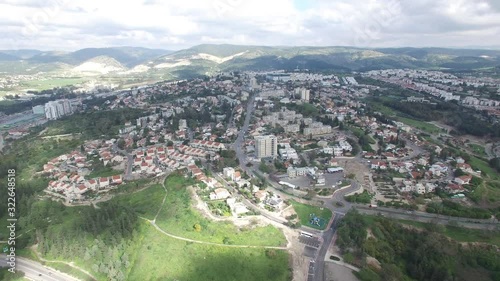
(319,263)
(426,217)
(36,271)
(130,161)
(238,144)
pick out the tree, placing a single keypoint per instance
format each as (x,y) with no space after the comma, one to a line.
(120,143)
(197,227)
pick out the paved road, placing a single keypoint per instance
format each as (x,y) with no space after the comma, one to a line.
(426,217)
(130,161)
(239,143)
(36,271)
(319,268)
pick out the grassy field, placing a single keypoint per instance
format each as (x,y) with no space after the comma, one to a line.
(477,149)
(145,202)
(179,217)
(487,194)
(103,171)
(303,211)
(424,126)
(163,258)
(484,167)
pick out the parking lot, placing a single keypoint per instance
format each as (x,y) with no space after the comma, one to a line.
(313,242)
(310,273)
(331,179)
(310,252)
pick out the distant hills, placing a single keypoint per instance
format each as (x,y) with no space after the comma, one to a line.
(209,58)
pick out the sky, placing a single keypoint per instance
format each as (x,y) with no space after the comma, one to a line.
(172,25)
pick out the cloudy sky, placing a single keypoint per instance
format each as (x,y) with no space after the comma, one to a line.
(169,24)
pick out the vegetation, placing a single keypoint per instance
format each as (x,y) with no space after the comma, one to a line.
(454,209)
(304,211)
(145,202)
(161,257)
(454,232)
(178,216)
(363,197)
(95,125)
(409,254)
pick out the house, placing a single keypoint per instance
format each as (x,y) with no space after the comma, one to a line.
(219,193)
(454,188)
(237,176)
(463,179)
(275,201)
(465,167)
(419,188)
(261,195)
(103,182)
(379,165)
(430,187)
(117,179)
(237,208)
(228,173)
(117,159)
(81,189)
(92,184)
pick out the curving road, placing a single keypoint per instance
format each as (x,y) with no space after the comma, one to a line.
(36,271)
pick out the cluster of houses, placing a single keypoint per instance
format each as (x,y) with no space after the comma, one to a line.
(69,172)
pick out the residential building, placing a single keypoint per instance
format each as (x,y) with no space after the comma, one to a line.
(58,108)
(266,146)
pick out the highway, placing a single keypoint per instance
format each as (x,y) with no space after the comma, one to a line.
(36,271)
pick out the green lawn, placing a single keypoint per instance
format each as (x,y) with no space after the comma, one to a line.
(103,171)
(484,167)
(163,258)
(303,211)
(477,149)
(145,202)
(424,126)
(179,217)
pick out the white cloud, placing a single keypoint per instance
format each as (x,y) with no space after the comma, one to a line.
(70,24)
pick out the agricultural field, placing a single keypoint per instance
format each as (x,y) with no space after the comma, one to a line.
(304,211)
(51,83)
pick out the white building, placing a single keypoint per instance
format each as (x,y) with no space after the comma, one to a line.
(266,146)
(58,108)
(228,173)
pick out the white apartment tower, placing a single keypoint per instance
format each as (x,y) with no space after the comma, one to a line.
(58,108)
(304,94)
(266,146)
